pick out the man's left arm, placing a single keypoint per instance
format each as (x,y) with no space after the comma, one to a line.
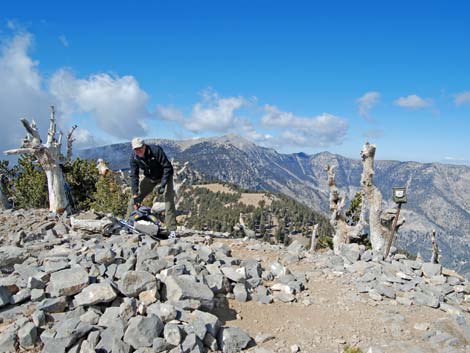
(166,165)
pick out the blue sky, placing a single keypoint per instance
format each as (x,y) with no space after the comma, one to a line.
(296,76)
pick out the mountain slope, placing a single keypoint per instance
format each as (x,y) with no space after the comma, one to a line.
(436,192)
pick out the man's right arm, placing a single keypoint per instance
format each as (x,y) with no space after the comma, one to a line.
(134,175)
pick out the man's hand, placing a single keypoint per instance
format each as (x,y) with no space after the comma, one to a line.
(161,189)
(136,202)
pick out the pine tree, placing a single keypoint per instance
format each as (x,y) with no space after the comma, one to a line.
(30,186)
(109,197)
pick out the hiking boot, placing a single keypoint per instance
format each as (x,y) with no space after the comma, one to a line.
(172,235)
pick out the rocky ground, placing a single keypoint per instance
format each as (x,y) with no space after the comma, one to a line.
(65,289)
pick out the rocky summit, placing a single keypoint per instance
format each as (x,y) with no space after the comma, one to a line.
(438,195)
(66,290)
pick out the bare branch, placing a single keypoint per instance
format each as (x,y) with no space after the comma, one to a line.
(32,130)
(70,141)
(52,128)
(20,151)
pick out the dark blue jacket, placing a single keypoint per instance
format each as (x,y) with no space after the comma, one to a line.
(155,165)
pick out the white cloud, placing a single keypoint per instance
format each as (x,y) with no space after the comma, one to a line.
(462,98)
(117,104)
(85,139)
(21,93)
(413,102)
(367,102)
(169,113)
(63,40)
(214,113)
(320,131)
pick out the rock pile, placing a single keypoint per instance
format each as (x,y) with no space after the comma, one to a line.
(66,290)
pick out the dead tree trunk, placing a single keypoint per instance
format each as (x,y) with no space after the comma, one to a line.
(4,204)
(50,159)
(380,222)
(313,243)
(435,248)
(343,231)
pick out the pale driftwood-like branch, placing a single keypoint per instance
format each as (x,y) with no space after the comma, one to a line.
(90,225)
(32,130)
(102,167)
(52,129)
(20,151)
(313,242)
(70,141)
(343,231)
(380,222)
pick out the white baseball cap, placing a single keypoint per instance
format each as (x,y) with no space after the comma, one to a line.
(137,142)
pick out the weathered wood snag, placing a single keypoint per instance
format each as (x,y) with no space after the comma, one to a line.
(343,231)
(435,248)
(50,159)
(380,221)
(313,243)
(4,204)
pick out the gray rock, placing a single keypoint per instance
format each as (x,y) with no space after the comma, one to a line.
(68,282)
(128,308)
(192,344)
(8,341)
(39,318)
(160,345)
(121,347)
(296,248)
(21,296)
(197,327)
(232,339)
(431,270)
(351,252)
(173,334)
(90,317)
(11,255)
(28,335)
(134,282)
(186,287)
(217,283)
(236,274)
(53,305)
(96,293)
(141,331)
(277,269)
(104,256)
(386,291)
(424,299)
(110,335)
(165,311)
(262,295)
(240,292)
(55,264)
(110,316)
(5,296)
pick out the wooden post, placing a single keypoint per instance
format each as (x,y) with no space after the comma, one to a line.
(392,234)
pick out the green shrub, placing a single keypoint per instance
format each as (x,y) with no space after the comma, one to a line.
(349,349)
(109,197)
(30,185)
(82,176)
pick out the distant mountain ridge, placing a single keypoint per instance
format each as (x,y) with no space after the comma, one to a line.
(438,194)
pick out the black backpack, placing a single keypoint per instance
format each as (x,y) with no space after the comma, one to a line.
(143,213)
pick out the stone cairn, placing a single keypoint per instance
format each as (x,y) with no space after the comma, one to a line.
(64,289)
